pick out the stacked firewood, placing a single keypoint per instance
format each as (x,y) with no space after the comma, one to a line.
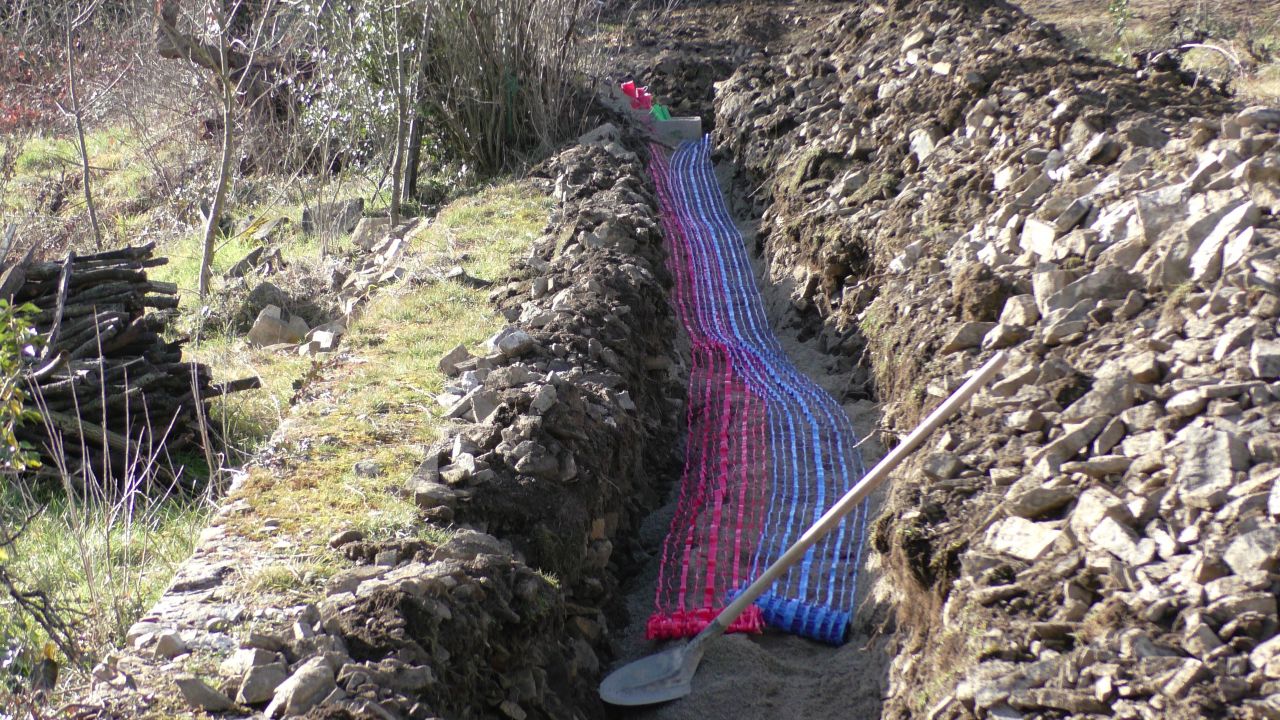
(114,395)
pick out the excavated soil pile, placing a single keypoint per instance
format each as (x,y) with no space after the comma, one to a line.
(1096,535)
(683,55)
(565,435)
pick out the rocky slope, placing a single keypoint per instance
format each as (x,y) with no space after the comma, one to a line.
(1096,536)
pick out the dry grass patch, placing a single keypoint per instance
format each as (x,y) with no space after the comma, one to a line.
(375,400)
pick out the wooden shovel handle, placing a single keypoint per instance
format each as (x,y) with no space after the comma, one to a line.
(856,495)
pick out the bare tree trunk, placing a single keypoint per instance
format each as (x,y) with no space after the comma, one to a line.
(416,125)
(76,114)
(224,175)
(413,157)
(397,162)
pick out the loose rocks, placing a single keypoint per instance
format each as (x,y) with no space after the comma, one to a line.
(1106,536)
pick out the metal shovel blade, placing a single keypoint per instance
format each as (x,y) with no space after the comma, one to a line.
(655,679)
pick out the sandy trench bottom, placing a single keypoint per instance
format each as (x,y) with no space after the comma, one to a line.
(775,675)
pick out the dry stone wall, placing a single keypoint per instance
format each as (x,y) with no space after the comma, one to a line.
(1096,536)
(563,436)
(564,429)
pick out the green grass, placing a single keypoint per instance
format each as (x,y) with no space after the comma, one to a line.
(105,562)
(185,251)
(119,171)
(296,578)
(489,227)
(246,420)
(377,400)
(184,255)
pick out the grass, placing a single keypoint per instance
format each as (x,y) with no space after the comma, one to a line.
(118,169)
(489,228)
(105,562)
(292,577)
(376,399)
(957,651)
(1263,85)
(244,421)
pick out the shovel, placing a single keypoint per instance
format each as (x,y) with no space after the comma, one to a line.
(668,675)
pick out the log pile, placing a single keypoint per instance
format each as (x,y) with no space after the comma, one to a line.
(113,393)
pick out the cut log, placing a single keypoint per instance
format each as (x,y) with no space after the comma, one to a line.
(110,387)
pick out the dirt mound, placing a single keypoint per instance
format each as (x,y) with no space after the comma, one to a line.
(564,441)
(1093,536)
(681,58)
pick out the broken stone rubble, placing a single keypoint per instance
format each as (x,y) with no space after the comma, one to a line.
(556,402)
(1137,491)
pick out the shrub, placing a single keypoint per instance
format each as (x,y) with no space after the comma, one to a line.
(17,337)
(489,80)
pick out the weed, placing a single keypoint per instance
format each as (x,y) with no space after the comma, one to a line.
(294,577)
(1121,15)
(107,562)
(957,652)
(1178,296)
(872,322)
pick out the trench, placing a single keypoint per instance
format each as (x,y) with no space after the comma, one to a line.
(773,674)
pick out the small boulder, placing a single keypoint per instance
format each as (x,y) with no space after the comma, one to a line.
(275,326)
(303,690)
(968,335)
(345,537)
(1020,311)
(370,231)
(1258,116)
(1107,283)
(1110,395)
(1022,538)
(247,263)
(429,496)
(334,217)
(260,683)
(1264,359)
(263,295)
(941,466)
(513,342)
(449,363)
(1255,551)
(244,658)
(367,469)
(199,695)
(318,342)
(169,645)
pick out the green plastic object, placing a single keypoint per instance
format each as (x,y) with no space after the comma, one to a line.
(660,112)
